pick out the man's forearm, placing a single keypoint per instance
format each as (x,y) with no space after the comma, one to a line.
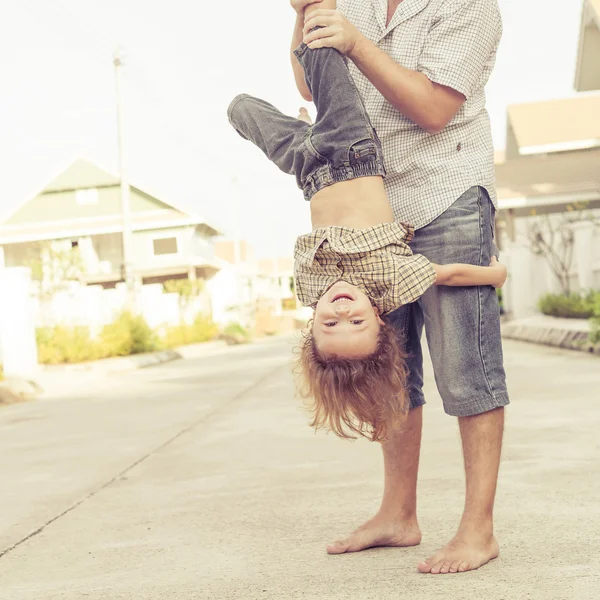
(428,105)
(296,66)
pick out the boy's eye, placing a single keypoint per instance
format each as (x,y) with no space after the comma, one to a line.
(330,323)
(357,321)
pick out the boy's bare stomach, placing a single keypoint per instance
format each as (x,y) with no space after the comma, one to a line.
(358,203)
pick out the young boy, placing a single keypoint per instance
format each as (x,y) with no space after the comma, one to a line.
(356,265)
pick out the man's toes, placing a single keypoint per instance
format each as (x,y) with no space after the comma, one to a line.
(445,567)
(454,566)
(464,566)
(424,567)
(437,567)
(339,547)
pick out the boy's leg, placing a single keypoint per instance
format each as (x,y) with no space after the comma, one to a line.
(279,136)
(325,4)
(342,135)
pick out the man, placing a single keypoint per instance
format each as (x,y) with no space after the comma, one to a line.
(421,67)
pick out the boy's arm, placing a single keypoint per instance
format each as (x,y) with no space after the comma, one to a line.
(296,66)
(467,275)
(300,7)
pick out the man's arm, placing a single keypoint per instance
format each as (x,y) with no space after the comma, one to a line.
(429,105)
(450,66)
(303,8)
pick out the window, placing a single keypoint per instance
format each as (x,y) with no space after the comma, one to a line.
(86,197)
(162,246)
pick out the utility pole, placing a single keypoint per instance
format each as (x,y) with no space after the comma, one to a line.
(127,267)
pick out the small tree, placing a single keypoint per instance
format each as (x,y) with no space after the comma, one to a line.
(187,291)
(554,239)
(53,266)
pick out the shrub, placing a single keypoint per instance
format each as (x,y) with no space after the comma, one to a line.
(595,320)
(288,304)
(57,345)
(129,334)
(202,330)
(571,306)
(234,333)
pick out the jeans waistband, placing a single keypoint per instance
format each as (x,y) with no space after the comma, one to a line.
(327,175)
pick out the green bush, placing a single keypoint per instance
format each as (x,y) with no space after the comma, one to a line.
(572,306)
(234,333)
(58,345)
(595,320)
(129,334)
(202,330)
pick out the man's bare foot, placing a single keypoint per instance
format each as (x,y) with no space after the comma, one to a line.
(379,531)
(304,116)
(466,552)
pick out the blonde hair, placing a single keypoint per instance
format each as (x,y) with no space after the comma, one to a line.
(354,396)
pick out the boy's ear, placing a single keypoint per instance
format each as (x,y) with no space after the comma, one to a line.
(379,319)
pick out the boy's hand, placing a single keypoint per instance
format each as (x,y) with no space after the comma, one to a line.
(501,272)
(336,31)
(304,116)
(300,5)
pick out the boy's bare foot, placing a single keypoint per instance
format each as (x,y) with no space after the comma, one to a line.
(304,116)
(379,531)
(467,551)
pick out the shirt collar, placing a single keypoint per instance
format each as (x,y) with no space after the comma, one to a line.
(404,11)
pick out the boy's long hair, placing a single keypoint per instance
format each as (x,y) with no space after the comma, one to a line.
(354,396)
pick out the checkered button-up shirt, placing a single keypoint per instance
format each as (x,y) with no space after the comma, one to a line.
(453,43)
(377,260)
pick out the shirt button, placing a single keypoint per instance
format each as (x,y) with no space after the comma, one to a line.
(459,147)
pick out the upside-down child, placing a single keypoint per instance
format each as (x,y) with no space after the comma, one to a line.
(355,266)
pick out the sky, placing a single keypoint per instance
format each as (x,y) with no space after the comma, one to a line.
(184,62)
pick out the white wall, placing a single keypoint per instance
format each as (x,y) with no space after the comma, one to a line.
(18,349)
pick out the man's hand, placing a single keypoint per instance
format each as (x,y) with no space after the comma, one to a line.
(300,5)
(500,272)
(337,32)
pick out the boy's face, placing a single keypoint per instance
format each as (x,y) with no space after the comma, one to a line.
(346,324)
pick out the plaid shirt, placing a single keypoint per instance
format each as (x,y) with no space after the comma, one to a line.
(453,43)
(377,260)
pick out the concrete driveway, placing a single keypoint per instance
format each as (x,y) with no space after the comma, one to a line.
(200,479)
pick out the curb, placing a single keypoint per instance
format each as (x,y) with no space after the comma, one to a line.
(570,334)
(117,365)
(50,377)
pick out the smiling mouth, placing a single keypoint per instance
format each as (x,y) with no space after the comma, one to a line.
(342,298)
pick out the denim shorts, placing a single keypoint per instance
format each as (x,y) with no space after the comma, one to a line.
(462,324)
(339,146)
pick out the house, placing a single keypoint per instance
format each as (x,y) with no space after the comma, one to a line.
(258,291)
(587,72)
(81,209)
(550,174)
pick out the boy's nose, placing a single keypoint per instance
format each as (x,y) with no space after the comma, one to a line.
(341,309)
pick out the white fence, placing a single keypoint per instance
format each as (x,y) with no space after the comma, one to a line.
(95,307)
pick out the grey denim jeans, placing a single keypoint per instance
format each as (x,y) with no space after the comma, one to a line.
(339,146)
(462,324)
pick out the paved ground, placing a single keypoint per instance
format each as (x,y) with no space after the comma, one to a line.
(199,479)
